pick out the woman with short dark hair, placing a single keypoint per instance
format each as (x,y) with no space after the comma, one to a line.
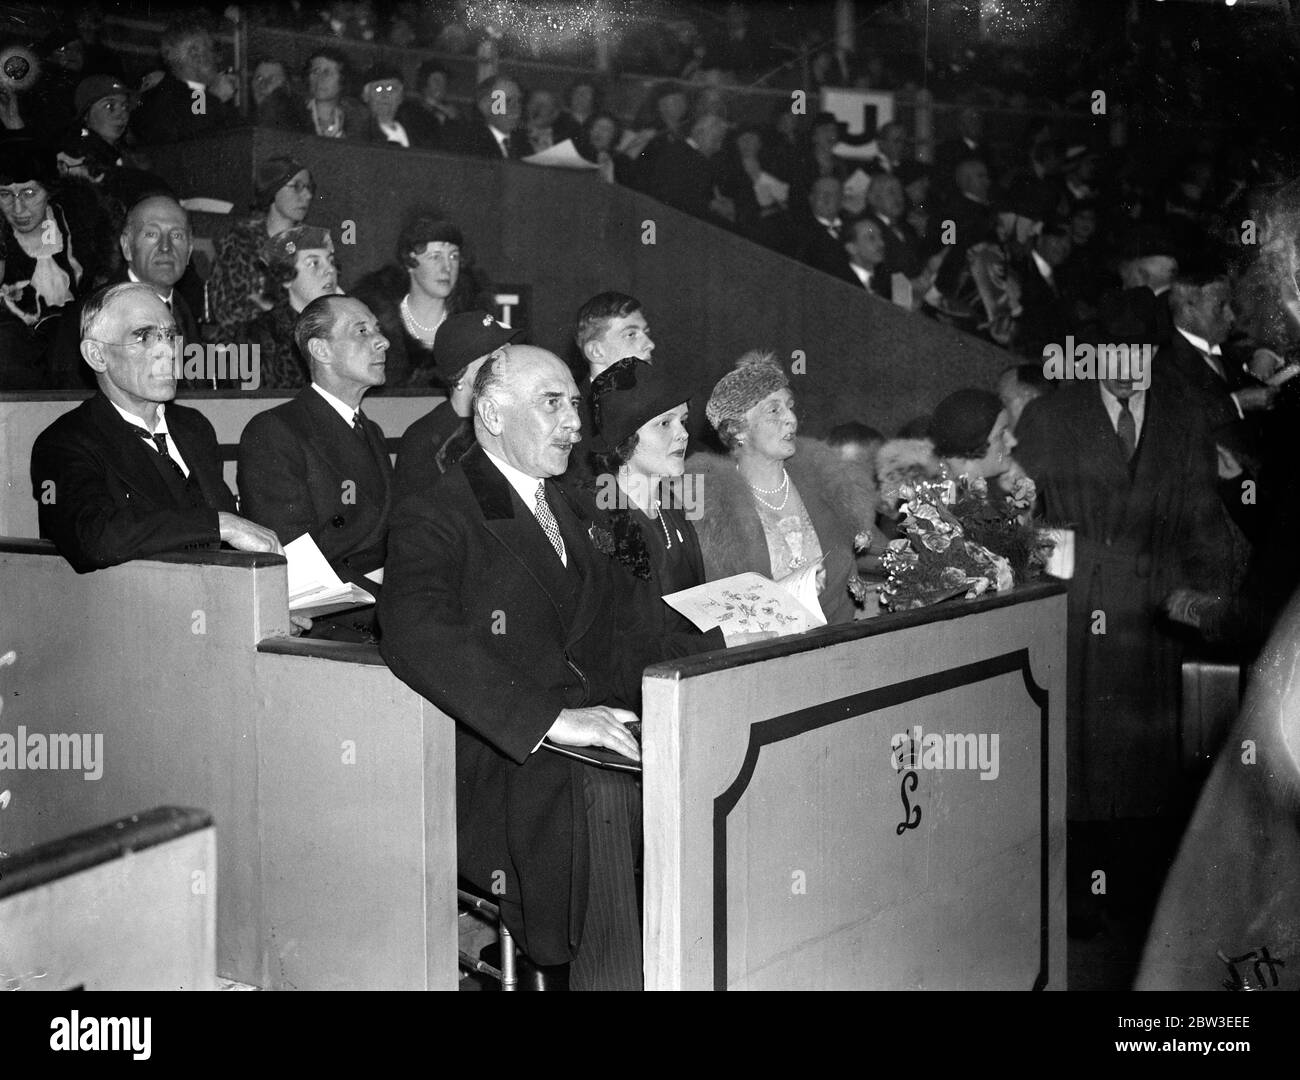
(433,278)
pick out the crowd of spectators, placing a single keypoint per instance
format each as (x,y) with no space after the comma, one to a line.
(1176,488)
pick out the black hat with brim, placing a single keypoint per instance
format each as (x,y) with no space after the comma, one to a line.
(627,395)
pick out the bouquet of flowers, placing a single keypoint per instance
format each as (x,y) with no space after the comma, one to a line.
(960,542)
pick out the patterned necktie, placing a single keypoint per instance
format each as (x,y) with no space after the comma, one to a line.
(159,439)
(359,428)
(549,525)
(1127,430)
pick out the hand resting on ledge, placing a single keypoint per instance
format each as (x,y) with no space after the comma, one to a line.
(244,535)
(598,726)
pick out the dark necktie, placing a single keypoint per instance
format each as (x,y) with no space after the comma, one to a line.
(359,427)
(1127,430)
(546,518)
(159,439)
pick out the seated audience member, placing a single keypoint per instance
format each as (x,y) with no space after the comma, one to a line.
(99,144)
(609,327)
(497,534)
(821,236)
(436,441)
(300,267)
(582,102)
(866,248)
(48,255)
(544,124)
(968,435)
(332,113)
(390,114)
(973,222)
(170,111)
(156,242)
(890,150)
(275,104)
(776,503)
(283,193)
(915,177)
(1018,385)
(685,173)
(497,131)
(1047,311)
(433,118)
(317,464)
(968,145)
(888,206)
(126,475)
(1038,187)
(759,198)
(814,160)
(639,442)
(599,142)
(412,299)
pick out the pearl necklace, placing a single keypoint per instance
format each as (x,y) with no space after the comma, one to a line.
(659,513)
(784,485)
(418,329)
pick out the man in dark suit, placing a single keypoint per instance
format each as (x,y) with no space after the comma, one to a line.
(1132,474)
(959,225)
(822,234)
(888,205)
(498,609)
(124,475)
(684,174)
(194,97)
(968,145)
(497,130)
(316,464)
(1046,317)
(866,250)
(435,442)
(156,243)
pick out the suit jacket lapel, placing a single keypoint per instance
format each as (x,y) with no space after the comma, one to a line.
(518,531)
(128,456)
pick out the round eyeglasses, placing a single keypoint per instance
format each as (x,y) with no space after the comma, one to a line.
(146,337)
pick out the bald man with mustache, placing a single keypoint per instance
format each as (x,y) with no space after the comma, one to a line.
(498,608)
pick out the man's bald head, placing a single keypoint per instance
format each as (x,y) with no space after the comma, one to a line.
(526,409)
(156,241)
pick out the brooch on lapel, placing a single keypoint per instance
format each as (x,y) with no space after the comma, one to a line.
(623,541)
(603,539)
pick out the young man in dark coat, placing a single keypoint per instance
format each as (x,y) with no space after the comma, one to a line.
(126,475)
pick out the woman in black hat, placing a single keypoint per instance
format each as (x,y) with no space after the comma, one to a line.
(641,518)
(237,288)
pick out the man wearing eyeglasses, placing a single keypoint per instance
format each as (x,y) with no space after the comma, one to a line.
(126,475)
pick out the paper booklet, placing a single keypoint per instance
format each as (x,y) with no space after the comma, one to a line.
(750,603)
(314,588)
(563,155)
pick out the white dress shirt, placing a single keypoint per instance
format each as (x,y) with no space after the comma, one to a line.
(503,140)
(394,132)
(863,275)
(525,486)
(341,407)
(160,428)
(1213,357)
(1137,405)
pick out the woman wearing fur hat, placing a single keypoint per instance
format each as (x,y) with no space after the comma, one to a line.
(283,194)
(640,520)
(776,503)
